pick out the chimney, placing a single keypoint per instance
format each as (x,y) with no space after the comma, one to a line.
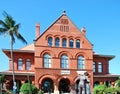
(37,30)
(83,30)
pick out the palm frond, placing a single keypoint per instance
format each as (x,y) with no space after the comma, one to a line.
(7,32)
(8,19)
(2,30)
(3,24)
(11,28)
(17,26)
(20,37)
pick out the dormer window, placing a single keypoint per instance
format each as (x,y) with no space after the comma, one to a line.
(71,43)
(77,43)
(50,41)
(57,42)
(64,42)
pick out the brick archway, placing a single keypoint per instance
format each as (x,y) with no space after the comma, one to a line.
(45,76)
(46,83)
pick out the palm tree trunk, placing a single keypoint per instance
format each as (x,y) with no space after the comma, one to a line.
(13,73)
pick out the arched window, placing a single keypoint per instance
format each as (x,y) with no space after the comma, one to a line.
(20,64)
(28,64)
(64,61)
(64,42)
(99,67)
(71,43)
(81,62)
(47,61)
(57,42)
(94,67)
(77,43)
(50,41)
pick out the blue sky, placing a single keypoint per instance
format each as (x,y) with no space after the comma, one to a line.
(100,17)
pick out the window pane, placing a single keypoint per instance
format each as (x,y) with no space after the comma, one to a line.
(57,42)
(47,61)
(20,64)
(64,44)
(50,41)
(99,67)
(64,61)
(77,43)
(71,43)
(28,64)
(80,62)
(94,67)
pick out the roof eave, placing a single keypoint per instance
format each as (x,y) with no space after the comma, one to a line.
(105,56)
(15,50)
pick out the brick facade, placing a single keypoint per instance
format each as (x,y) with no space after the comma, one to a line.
(55,73)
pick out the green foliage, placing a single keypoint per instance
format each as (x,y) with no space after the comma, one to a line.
(9,27)
(117,89)
(28,88)
(117,82)
(2,79)
(110,90)
(100,89)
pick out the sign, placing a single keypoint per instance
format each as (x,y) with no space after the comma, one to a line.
(65,72)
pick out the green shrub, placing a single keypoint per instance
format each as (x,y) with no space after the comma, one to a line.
(100,89)
(28,88)
(110,90)
(117,89)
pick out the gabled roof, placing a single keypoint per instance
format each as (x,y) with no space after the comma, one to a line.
(63,14)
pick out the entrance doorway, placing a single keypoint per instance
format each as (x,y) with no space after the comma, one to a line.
(47,85)
(64,86)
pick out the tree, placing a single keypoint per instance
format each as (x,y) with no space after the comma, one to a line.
(9,27)
(1,82)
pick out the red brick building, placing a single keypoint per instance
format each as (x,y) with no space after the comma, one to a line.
(57,57)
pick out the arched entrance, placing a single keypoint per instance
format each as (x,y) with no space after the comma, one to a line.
(64,86)
(47,85)
(96,83)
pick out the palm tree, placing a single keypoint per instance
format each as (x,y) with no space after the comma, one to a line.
(9,27)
